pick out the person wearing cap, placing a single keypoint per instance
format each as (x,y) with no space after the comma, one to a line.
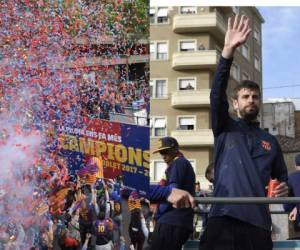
(294,185)
(246,157)
(173,225)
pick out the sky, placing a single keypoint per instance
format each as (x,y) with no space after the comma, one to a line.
(281,52)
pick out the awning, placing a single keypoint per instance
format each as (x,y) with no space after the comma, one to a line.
(160,123)
(152,11)
(162,12)
(162,47)
(188,45)
(186,121)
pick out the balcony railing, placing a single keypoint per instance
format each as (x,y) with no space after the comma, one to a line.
(194,138)
(191,98)
(195,60)
(209,22)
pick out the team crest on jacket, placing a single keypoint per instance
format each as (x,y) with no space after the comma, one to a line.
(266,145)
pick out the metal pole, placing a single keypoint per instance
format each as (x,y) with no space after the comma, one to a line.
(271,212)
(247,200)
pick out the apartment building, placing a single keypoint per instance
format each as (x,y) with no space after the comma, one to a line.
(185,46)
(281,116)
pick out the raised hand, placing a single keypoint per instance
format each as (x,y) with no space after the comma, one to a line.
(236,35)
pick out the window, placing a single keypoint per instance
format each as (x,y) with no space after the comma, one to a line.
(158,126)
(245,76)
(186,123)
(187,45)
(158,88)
(235,72)
(188,10)
(162,51)
(245,51)
(157,170)
(257,63)
(152,15)
(158,15)
(187,84)
(256,35)
(151,84)
(162,15)
(161,88)
(152,51)
(158,50)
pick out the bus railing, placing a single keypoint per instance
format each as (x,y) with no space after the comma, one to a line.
(247,200)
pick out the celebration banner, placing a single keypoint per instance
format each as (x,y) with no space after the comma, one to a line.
(117,149)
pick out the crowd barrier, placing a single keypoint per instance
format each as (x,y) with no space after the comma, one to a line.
(247,200)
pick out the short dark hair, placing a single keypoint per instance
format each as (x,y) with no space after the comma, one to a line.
(247,84)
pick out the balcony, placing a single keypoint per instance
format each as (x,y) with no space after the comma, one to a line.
(203,59)
(97,39)
(96,61)
(190,98)
(211,22)
(194,138)
(138,59)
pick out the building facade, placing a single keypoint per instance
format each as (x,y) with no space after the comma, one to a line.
(279,118)
(185,46)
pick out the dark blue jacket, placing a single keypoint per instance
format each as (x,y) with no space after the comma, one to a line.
(159,193)
(179,174)
(294,185)
(245,157)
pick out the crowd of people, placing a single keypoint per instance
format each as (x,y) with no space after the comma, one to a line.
(40,56)
(65,211)
(43,84)
(99,100)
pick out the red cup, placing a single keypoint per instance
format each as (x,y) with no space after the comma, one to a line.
(272,185)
